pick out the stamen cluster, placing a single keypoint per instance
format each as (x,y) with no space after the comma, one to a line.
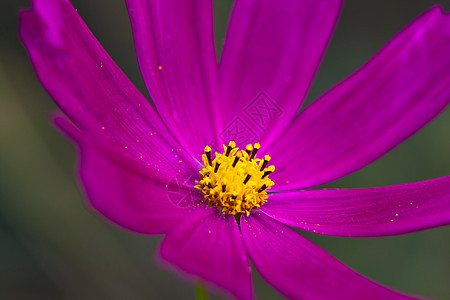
(236,181)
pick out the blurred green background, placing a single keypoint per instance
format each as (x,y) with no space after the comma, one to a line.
(53,246)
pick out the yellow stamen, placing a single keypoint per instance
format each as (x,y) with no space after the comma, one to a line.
(248,149)
(235,181)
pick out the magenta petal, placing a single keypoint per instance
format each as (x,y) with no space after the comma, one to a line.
(208,245)
(380,211)
(271,54)
(125,197)
(401,89)
(90,88)
(175,47)
(301,270)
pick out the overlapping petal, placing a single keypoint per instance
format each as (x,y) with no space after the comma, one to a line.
(379,211)
(400,90)
(90,88)
(125,197)
(175,47)
(208,245)
(271,53)
(301,270)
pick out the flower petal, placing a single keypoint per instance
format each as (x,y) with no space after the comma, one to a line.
(379,211)
(125,197)
(401,89)
(89,87)
(271,53)
(175,47)
(208,245)
(301,270)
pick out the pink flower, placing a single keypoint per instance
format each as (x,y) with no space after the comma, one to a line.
(139,165)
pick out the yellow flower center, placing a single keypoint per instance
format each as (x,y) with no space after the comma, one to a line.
(235,181)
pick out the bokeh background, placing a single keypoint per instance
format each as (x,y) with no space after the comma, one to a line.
(53,246)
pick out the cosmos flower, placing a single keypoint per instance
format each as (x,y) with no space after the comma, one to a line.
(162,170)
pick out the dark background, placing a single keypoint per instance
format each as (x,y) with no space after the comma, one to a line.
(53,246)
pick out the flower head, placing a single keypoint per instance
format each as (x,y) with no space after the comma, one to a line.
(153,170)
(237,182)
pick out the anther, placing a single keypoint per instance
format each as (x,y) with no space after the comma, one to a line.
(255,149)
(236,159)
(208,154)
(224,188)
(248,149)
(230,147)
(262,188)
(269,170)
(216,167)
(266,173)
(265,162)
(247,178)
